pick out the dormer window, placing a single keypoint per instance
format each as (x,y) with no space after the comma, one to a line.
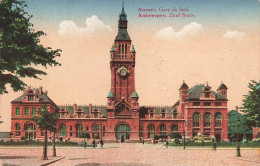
(175,113)
(151,115)
(96,113)
(163,114)
(207,95)
(30,98)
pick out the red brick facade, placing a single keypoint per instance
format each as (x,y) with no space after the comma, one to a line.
(199,109)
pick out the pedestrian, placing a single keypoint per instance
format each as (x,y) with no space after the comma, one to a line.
(215,145)
(202,142)
(143,141)
(166,143)
(94,144)
(101,143)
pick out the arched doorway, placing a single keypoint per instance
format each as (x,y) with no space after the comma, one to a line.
(30,131)
(123,133)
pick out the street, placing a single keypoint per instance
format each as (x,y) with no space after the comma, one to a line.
(132,154)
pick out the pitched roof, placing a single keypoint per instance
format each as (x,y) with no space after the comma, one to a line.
(43,98)
(112,49)
(196,91)
(70,109)
(132,49)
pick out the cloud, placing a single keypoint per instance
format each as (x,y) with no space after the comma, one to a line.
(188,30)
(93,24)
(234,35)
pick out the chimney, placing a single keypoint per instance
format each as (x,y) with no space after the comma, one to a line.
(46,92)
(75,107)
(40,90)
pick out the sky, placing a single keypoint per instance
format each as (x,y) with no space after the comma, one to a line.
(220,43)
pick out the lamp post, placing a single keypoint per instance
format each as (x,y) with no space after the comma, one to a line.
(238,148)
(84,139)
(184,140)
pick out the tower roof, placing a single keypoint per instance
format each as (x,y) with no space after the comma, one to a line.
(112,49)
(132,49)
(222,86)
(122,15)
(110,94)
(184,86)
(135,95)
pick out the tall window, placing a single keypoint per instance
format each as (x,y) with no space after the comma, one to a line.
(30,98)
(30,132)
(95,129)
(17,128)
(151,131)
(79,130)
(207,119)
(63,115)
(63,130)
(174,128)
(125,48)
(18,111)
(162,129)
(174,114)
(27,111)
(151,115)
(163,114)
(34,113)
(119,48)
(196,119)
(218,122)
(79,115)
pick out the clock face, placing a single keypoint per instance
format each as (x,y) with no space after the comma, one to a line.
(123,72)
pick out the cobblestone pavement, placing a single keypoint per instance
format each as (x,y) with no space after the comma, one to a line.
(132,155)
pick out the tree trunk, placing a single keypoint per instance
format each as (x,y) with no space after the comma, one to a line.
(44,157)
(53,144)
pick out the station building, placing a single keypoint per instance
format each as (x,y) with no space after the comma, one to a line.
(199,110)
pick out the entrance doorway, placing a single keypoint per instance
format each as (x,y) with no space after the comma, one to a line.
(123,133)
(218,137)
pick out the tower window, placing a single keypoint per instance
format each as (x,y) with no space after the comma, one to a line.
(119,49)
(125,48)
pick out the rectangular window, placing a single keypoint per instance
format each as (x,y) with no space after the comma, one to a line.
(207,95)
(79,115)
(196,103)
(151,116)
(34,111)
(42,133)
(70,134)
(27,111)
(62,115)
(95,115)
(206,103)
(104,131)
(18,111)
(174,115)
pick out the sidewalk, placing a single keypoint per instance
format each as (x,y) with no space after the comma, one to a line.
(25,161)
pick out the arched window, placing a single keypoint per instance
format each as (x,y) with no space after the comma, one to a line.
(63,130)
(163,129)
(86,128)
(125,48)
(151,131)
(218,118)
(174,128)
(34,113)
(207,119)
(95,131)
(30,133)
(17,128)
(79,130)
(196,119)
(119,49)
(18,111)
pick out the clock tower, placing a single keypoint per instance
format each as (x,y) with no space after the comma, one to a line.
(122,105)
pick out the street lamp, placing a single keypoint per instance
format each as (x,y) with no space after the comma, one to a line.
(85,139)
(238,148)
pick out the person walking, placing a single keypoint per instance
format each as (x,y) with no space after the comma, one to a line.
(94,144)
(101,143)
(166,143)
(143,141)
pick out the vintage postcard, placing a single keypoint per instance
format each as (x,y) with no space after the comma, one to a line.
(129,82)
